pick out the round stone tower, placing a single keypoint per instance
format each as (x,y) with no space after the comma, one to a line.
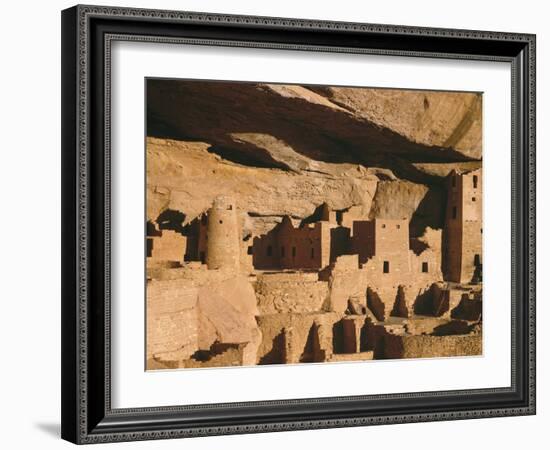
(222,250)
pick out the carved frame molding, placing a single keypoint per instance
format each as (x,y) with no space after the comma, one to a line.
(88,32)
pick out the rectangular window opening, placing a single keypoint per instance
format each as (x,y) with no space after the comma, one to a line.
(386,267)
(425,267)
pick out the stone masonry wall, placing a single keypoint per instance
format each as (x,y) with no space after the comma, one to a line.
(286,247)
(209,307)
(172,318)
(291,337)
(346,282)
(170,246)
(407,274)
(290,292)
(431,346)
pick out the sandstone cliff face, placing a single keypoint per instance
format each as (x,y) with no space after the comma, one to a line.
(186,177)
(422,204)
(283,150)
(440,119)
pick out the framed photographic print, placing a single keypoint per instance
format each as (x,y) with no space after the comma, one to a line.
(281,224)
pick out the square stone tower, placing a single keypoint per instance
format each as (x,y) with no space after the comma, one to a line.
(463,227)
(382,237)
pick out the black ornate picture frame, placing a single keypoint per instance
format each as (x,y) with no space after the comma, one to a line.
(87,35)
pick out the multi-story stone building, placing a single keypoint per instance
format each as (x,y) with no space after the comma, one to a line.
(287,247)
(463,227)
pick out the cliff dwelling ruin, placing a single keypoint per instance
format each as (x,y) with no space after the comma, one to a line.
(351,232)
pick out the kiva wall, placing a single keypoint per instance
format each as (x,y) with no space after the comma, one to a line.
(290,292)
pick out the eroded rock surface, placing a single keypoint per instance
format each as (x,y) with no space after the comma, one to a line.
(335,124)
(427,117)
(186,177)
(186,316)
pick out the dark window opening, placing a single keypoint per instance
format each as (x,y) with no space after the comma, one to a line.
(293,252)
(425,267)
(230,207)
(152,229)
(477,260)
(202,257)
(339,216)
(398,227)
(386,267)
(383,225)
(221,221)
(475,181)
(473,199)
(149,247)
(269,250)
(250,250)
(454,212)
